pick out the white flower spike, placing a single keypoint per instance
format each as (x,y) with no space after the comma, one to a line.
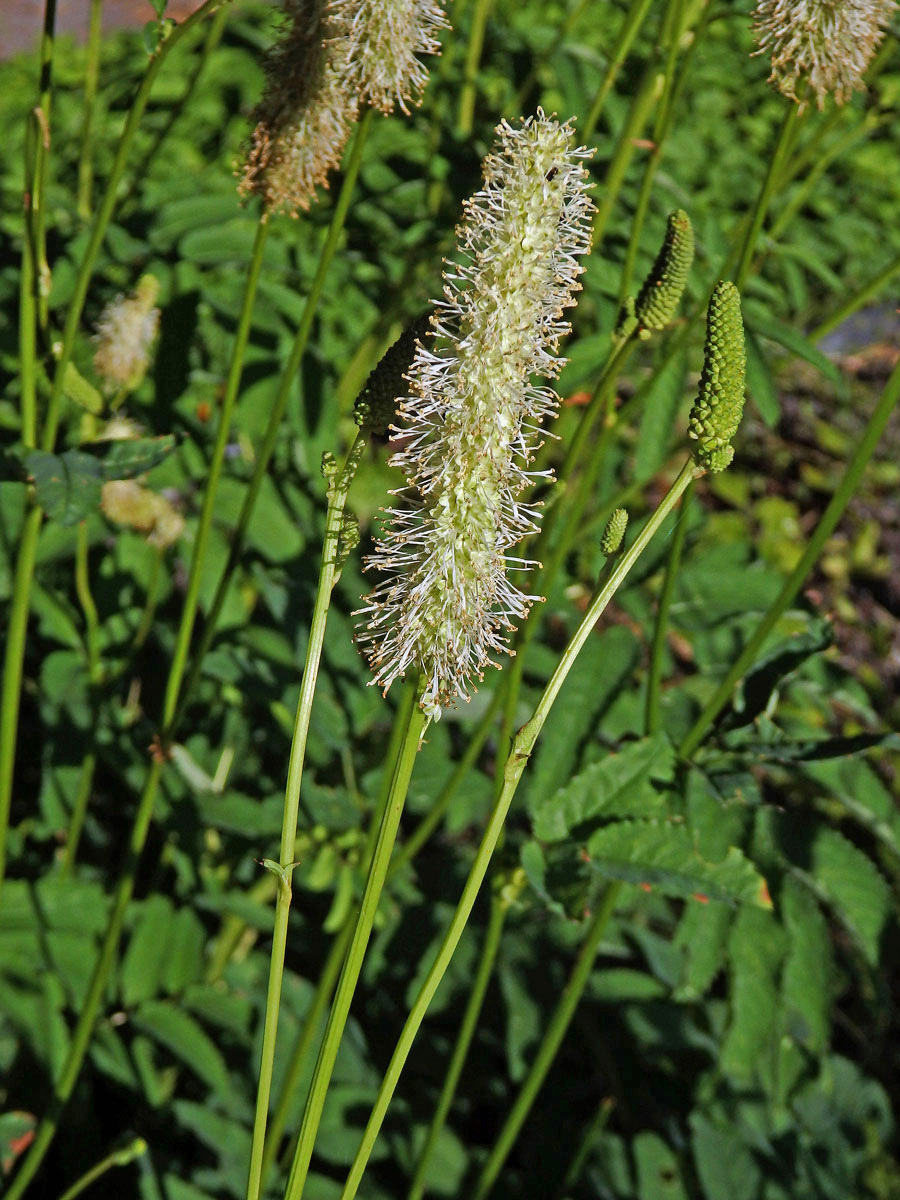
(472,419)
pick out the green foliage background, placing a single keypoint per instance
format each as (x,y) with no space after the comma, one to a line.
(728,1044)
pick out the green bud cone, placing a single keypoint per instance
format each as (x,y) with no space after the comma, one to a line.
(717,410)
(376,405)
(661,291)
(614,532)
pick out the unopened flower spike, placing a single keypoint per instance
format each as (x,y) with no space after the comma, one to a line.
(611,541)
(471,417)
(376,406)
(333,58)
(661,291)
(716,413)
(125,332)
(825,45)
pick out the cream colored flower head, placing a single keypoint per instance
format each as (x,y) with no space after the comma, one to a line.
(472,419)
(124,335)
(825,45)
(334,58)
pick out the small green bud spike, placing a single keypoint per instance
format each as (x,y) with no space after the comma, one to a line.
(376,407)
(614,532)
(717,410)
(661,291)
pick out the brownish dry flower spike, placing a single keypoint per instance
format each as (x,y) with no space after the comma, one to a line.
(823,44)
(306,113)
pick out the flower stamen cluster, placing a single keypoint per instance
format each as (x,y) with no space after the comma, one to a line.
(472,419)
(825,44)
(125,332)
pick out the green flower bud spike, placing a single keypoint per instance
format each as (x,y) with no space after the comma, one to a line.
(717,410)
(614,533)
(376,405)
(661,291)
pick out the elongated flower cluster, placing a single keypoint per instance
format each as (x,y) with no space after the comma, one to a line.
(124,335)
(376,405)
(660,294)
(472,418)
(334,58)
(826,44)
(717,411)
(614,532)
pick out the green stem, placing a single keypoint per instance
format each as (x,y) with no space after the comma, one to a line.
(515,765)
(466,112)
(661,627)
(772,178)
(91,79)
(577,1166)
(634,19)
(84,1027)
(463,1041)
(340,1008)
(118,1158)
(146,622)
(330,566)
(38,206)
(550,1044)
(79,813)
(855,302)
(827,523)
(647,95)
(273,427)
(201,541)
(86,600)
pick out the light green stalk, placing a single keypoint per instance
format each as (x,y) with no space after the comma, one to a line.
(827,523)
(634,19)
(329,571)
(118,1158)
(463,1040)
(466,112)
(854,303)
(515,765)
(550,1043)
(340,1008)
(648,94)
(91,79)
(286,385)
(661,626)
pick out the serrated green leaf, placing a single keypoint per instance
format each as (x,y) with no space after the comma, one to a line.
(184,959)
(756,947)
(806,984)
(658,1171)
(185,1039)
(664,856)
(620,785)
(796,343)
(702,935)
(724,1161)
(148,949)
(757,687)
(67,486)
(125,458)
(851,884)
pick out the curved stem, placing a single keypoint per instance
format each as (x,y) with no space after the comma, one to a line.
(661,627)
(118,1158)
(330,566)
(340,1008)
(550,1043)
(270,436)
(189,610)
(466,112)
(794,582)
(515,766)
(463,1042)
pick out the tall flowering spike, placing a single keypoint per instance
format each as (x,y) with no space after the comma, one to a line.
(471,420)
(826,44)
(660,294)
(333,58)
(614,532)
(125,334)
(716,413)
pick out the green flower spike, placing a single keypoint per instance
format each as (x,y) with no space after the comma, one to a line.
(661,291)
(717,410)
(376,405)
(614,532)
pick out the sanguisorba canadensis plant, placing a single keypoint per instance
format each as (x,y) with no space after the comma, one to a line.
(825,44)
(471,419)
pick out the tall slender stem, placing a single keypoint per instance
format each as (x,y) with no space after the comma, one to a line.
(634,19)
(91,79)
(273,427)
(792,585)
(647,95)
(661,626)
(550,1043)
(340,1008)
(466,113)
(463,1042)
(330,565)
(201,541)
(515,766)
(118,1158)
(855,302)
